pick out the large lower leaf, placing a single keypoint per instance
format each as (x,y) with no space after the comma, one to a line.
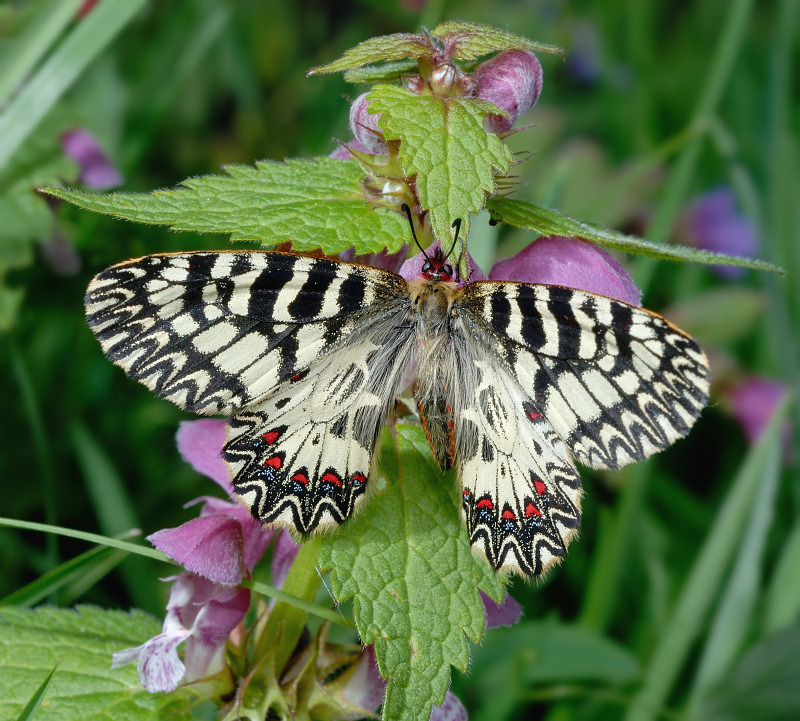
(84,687)
(406,561)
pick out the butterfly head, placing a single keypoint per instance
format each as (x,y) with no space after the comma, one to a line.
(437,267)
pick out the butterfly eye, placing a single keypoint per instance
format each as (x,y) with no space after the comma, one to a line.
(447,270)
(426,266)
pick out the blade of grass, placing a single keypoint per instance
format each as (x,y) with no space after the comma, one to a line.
(152,553)
(78,49)
(783,595)
(38,436)
(67,572)
(45,20)
(733,620)
(676,188)
(33,705)
(703,583)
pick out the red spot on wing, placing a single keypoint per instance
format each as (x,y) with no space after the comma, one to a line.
(534,416)
(275,462)
(467,493)
(359,478)
(332,478)
(300,478)
(531,510)
(541,489)
(508,515)
(271,437)
(485,503)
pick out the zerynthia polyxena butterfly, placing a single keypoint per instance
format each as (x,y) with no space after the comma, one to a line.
(514,382)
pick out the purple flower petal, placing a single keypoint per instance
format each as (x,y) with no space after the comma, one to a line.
(384,259)
(365,688)
(256,537)
(200,443)
(210,546)
(364,125)
(753,403)
(412,268)
(572,263)
(96,170)
(283,554)
(451,710)
(342,152)
(159,667)
(205,647)
(512,81)
(505,613)
(712,223)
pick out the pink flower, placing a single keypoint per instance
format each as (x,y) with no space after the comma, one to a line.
(712,223)
(753,402)
(218,549)
(570,262)
(364,126)
(96,170)
(343,151)
(201,614)
(512,81)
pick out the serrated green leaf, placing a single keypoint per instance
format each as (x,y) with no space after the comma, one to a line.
(311,204)
(406,561)
(546,221)
(443,144)
(471,40)
(385,47)
(82,641)
(385,72)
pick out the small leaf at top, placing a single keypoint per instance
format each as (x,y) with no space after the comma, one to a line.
(468,41)
(546,221)
(386,47)
(443,144)
(407,562)
(311,204)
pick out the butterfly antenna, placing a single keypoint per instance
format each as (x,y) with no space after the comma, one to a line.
(404,207)
(457,226)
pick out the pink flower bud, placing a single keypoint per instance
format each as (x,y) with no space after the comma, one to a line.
(512,81)
(443,78)
(570,262)
(364,125)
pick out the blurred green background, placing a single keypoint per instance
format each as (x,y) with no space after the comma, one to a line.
(657,104)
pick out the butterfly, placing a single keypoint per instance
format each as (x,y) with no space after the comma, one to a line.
(514,382)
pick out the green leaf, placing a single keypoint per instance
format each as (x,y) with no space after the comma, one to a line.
(312,204)
(81,641)
(471,40)
(535,653)
(763,685)
(546,221)
(406,561)
(35,701)
(383,73)
(385,47)
(443,144)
